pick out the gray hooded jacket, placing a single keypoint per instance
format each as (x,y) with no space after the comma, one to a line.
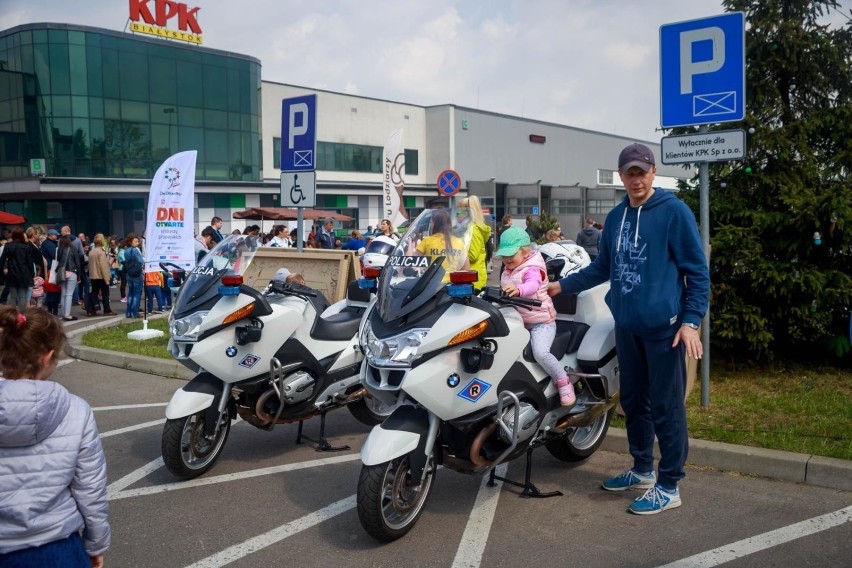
(52,468)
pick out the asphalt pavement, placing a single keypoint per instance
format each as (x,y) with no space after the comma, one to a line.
(775,464)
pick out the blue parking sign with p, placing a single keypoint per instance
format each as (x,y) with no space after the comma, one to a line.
(702,71)
(298,133)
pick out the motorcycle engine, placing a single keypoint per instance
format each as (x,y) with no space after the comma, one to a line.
(298,387)
(527,418)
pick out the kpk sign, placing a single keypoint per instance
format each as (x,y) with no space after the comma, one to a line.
(144,21)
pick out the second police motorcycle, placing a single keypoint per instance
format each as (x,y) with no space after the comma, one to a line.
(269,356)
(458,367)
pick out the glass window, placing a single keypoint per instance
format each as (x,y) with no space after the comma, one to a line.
(58,36)
(80,106)
(79,80)
(163,75)
(61,106)
(60,73)
(606,177)
(76,38)
(521,205)
(190,80)
(215,88)
(276,154)
(134,111)
(112,109)
(411,162)
(600,206)
(109,60)
(188,116)
(566,206)
(94,71)
(81,138)
(191,139)
(217,119)
(41,66)
(215,146)
(133,69)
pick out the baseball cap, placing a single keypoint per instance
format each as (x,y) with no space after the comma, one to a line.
(636,155)
(511,240)
(53,232)
(281,275)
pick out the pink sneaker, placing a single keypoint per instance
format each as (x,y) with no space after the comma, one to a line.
(566,391)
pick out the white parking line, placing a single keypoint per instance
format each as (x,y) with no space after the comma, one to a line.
(469,553)
(129,406)
(763,541)
(116,487)
(119,493)
(63,362)
(132,428)
(260,542)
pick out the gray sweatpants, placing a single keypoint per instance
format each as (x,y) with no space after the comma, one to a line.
(541,338)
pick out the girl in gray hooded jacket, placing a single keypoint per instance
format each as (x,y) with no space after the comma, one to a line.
(52,467)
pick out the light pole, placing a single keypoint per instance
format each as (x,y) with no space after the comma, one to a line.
(170,111)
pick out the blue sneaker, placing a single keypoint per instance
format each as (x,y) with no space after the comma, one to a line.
(655,500)
(630,480)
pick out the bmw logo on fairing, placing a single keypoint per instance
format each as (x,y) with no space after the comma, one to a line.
(231,351)
(453,380)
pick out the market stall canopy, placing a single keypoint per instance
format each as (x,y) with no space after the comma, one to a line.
(11,219)
(286,214)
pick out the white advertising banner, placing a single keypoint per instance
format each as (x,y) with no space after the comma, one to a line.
(394,179)
(169,227)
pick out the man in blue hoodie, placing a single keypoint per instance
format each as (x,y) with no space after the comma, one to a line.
(659,290)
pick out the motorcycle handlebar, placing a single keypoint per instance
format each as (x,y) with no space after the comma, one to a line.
(495,294)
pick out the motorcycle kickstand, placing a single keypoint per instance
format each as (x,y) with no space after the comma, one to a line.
(322,443)
(530,490)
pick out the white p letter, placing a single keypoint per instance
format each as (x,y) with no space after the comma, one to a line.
(688,67)
(297,109)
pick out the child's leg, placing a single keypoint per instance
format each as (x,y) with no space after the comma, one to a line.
(541,336)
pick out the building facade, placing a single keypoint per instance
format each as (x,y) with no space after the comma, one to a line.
(100,110)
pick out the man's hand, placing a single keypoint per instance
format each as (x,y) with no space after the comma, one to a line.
(554,289)
(691,340)
(97,561)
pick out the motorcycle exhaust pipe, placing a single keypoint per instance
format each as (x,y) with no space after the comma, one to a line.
(268,418)
(477,444)
(585,418)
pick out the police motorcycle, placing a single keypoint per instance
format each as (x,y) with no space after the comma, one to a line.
(269,357)
(468,393)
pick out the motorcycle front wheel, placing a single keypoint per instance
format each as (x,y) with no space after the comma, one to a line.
(388,503)
(583,441)
(187,452)
(370,410)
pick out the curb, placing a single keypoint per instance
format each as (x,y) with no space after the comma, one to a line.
(814,470)
(775,464)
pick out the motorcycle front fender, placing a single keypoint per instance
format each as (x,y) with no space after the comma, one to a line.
(401,433)
(200,393)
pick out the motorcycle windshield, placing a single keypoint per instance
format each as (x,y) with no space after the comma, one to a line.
(434,245)
(232,255)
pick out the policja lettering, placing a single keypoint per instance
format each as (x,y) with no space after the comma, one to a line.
(409,261)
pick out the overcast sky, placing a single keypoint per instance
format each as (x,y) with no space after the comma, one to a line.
(587,63)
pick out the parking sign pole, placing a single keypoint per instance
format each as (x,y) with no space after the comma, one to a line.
(704,220)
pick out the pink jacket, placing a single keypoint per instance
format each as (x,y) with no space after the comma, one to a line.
(530,278)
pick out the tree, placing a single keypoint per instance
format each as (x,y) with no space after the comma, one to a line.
(781,221)
(544,223)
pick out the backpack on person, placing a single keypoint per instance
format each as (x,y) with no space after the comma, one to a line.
(132,265)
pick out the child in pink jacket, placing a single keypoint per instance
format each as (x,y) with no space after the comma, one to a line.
(525,275)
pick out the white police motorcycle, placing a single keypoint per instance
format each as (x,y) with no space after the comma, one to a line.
(470,395)
(270,357)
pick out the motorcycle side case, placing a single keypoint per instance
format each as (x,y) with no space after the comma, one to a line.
(597,351)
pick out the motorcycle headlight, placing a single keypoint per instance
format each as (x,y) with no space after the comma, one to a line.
(397,351)
(188,328)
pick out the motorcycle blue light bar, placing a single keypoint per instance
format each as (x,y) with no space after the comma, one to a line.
(460,290)
(366,283)
(229,291)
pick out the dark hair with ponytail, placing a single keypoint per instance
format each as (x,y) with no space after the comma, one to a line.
(24,339)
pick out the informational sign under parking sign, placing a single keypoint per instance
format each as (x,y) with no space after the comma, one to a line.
(719,146)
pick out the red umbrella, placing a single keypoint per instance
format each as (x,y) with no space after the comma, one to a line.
(11,219)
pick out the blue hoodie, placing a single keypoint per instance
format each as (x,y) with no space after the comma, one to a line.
(646,252)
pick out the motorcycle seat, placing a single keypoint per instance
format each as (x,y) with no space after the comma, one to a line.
(338,327)
(569,335)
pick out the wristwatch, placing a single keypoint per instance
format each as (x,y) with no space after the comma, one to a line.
(689,325)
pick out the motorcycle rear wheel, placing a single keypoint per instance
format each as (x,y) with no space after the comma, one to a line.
(583,441)
(187,453)
(388,505)
(369,410)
